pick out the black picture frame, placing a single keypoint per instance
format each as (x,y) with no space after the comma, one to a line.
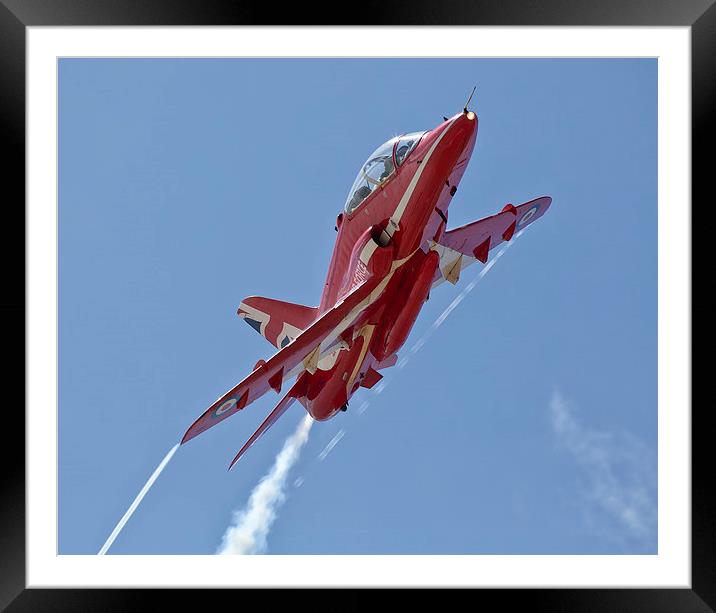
(16,15)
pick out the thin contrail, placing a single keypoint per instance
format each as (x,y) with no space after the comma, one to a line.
(441,318)
(133,507)
(334,441)
(250,528)
(247,534)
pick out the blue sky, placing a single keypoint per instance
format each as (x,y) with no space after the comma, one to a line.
(527,424)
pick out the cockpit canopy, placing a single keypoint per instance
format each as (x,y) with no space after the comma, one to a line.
(380,166)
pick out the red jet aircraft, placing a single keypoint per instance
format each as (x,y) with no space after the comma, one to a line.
(392,248)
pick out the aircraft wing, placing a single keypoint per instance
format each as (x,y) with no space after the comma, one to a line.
(280,409)
(462,246)
(299,355)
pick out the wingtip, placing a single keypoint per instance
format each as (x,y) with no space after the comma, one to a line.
(192,431)
(234,461)
(546,203)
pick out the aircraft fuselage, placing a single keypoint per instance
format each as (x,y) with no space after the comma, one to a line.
(389,236)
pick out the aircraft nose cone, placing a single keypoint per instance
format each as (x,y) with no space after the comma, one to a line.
(466,124)
(461,133)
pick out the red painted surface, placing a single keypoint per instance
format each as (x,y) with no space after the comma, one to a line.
(276,380)
(404,305)
(371,378)
(482,250)
(381,271)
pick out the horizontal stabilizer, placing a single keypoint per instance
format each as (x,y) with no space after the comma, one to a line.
(277,321)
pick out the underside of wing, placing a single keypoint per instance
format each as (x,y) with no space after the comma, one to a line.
(467,244)
(301,354)
(280,409)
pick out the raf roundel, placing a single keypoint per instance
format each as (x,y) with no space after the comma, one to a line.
(524,220)
(228,405)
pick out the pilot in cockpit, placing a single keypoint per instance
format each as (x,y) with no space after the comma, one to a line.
(358,196)
(387,169)
(401,152)
(380,166)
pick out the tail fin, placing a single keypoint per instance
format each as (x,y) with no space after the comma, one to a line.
(277,321)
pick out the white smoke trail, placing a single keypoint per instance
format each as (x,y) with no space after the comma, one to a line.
(247,534)
(133,507)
